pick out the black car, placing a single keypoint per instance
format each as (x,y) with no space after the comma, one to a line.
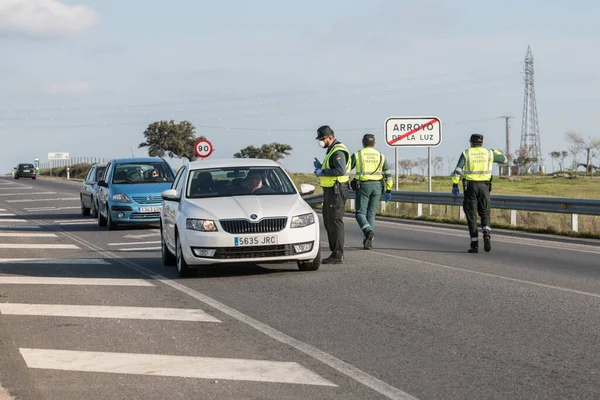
(25,170)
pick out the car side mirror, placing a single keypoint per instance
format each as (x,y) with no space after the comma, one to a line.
(306,189)
(102,183)
(170,195)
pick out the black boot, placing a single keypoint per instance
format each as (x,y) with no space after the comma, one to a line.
(474,247)
(368,242)
(487,241)
(333,260)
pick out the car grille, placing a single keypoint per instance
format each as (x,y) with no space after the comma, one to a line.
(279,250)
(144,199)
(266,225)
(153,215)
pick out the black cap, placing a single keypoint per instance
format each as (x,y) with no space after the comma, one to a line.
(324,131)
(476,137)
(368,138)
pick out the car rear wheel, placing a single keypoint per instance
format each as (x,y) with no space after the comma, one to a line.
(84,210)
(94,209)
(168,258)
(311,265)
(101,219)
(183,268)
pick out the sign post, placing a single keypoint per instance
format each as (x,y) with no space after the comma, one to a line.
(203,148)
(414,132)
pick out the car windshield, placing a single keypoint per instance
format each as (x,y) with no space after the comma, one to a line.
(27,166)
(142,172)
(238,181)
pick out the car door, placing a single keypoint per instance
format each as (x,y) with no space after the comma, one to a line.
(170,209)
(104,191)
(86,187)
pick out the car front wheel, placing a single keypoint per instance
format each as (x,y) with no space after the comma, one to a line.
(183,268)
(311,265)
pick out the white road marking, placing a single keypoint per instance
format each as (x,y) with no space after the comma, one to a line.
(13,220)
(76,220)
(142,235)
(9,187)
(51,208)
(65,261)
(4,394)
(92,222)
(18,227)
(37,246)
(138,249)
(36,200)
(179,366)
(34,280)
(7,215)
(25,194)
(133,243)
(26,234)
(148,313)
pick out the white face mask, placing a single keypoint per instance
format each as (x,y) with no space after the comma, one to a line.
(322,143)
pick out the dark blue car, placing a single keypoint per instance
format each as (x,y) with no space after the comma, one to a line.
(129,192)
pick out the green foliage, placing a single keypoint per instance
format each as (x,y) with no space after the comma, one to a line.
(271,151)
(167,137)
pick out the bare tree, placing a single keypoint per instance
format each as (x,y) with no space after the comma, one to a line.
(406,166)
(555,156)
(437,163)
(451,164)
(524,160)
(578,145)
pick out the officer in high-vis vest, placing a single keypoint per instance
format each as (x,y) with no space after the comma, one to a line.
(333,175)
(372,173)
(475,166)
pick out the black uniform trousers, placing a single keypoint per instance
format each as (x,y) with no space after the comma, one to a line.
(334,204)
(476,202)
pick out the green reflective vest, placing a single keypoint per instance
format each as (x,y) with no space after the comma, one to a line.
(329,181)
(479,162)
(369,164)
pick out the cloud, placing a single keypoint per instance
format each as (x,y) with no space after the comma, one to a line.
(45,18)
(72,88)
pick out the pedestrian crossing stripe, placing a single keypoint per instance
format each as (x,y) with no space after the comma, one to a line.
(174,366)
(34,280)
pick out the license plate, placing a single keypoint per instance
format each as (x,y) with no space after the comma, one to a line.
(26,170)
(150,209)
(255,240)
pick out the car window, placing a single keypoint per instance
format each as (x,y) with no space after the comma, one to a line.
(238,181)
(27,166)
(142,172)
(100,173)
(180,181)
(90,174)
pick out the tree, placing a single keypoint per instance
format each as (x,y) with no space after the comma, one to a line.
(555,156)
(176,140)
(406,166)
(577,145)
(563,155)
(524,160)
(437,163)
(271,151)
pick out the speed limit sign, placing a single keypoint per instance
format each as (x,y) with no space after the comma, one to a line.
(203,148)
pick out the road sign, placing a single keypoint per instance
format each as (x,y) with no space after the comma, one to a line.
(203,148)
(58,156)
(413,131)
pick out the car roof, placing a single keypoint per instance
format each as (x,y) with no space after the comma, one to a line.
(233,162)
(138,159)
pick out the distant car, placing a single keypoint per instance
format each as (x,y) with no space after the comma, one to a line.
(88,192)
(25,170)
(129,191)
(213,215)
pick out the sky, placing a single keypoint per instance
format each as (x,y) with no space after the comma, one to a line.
(88,76)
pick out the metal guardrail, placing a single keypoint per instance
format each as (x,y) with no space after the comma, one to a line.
(513,203)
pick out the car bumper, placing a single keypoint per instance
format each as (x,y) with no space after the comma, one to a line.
(25,174)
(205,248)
(131,213)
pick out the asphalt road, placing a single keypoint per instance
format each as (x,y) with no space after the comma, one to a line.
(86,314)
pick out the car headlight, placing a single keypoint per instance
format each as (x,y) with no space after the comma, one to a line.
(300,221)
(204,225)
(121,198)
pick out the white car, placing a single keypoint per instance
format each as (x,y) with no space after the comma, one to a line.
(237,211)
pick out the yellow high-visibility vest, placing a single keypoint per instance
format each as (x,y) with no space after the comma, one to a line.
(329,181)
(479,162)
(369,164)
